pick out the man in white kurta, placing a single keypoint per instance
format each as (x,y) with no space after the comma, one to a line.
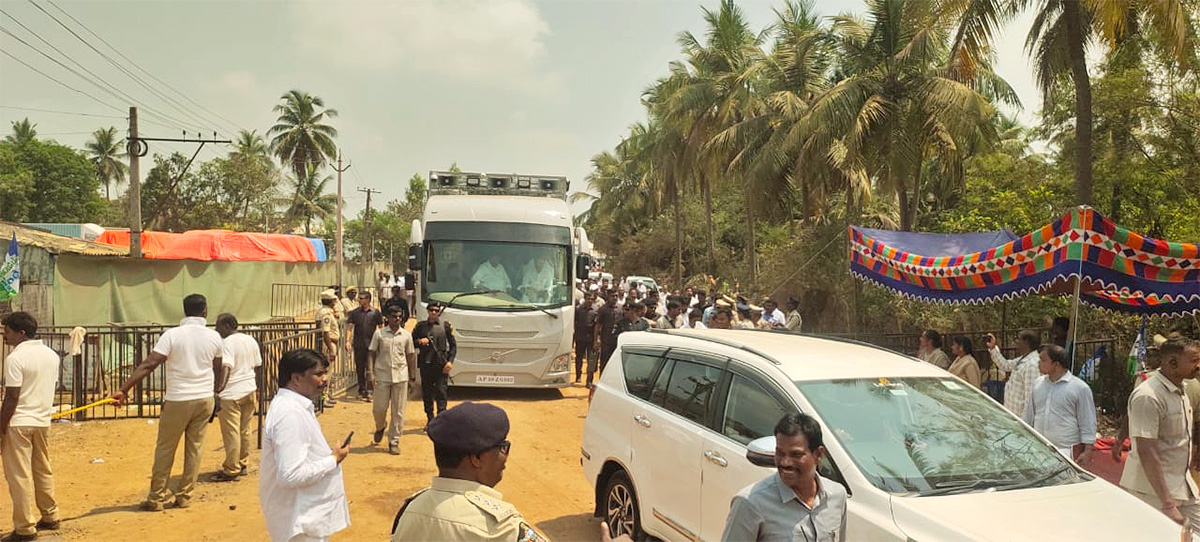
(300,484)
(491,275)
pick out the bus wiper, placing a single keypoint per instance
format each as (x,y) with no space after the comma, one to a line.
(530,306)
(1037,481)
(981,483)
(458,295)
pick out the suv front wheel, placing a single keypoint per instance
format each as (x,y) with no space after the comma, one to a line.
(621,511)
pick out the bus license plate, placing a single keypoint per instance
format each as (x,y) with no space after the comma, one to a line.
(492,379)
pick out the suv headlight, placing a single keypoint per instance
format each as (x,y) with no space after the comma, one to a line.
(561,363)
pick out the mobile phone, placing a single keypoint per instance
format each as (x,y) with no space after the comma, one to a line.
(346,442)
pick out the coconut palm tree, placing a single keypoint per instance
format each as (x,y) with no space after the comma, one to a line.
(896,109)
(299,137)
(250,145)
(105,151)
(23,131)
(309,199)
(1058,39)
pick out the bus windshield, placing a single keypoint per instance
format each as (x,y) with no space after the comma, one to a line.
(492,275)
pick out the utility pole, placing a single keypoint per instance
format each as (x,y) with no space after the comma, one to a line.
(367,244)
(136,145)
(136,149)
(339,171)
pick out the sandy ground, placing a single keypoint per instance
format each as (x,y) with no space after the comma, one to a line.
(98,500)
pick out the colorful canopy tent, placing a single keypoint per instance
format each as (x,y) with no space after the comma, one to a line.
(222,245)
(1083,253)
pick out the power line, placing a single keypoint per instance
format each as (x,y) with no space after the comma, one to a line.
(235,125)
(90,72)
(116,93)
(61,112)
(47,76)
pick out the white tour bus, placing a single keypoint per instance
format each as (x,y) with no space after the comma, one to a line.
(501,251)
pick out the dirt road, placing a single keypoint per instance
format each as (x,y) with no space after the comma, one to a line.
(98,500)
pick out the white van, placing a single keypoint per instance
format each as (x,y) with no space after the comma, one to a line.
(923,455)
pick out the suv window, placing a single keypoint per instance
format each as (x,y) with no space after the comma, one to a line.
(639,370)
(750,412)
(690,390)
(660,384)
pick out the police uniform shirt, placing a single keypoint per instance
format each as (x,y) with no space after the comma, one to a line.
(453,509)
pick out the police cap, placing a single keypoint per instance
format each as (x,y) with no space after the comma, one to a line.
(469,427)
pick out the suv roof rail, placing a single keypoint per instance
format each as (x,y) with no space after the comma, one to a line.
(834,338)
(718,340)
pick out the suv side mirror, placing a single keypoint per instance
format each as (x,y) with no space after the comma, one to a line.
(583,266)
(416,258)
(761,451)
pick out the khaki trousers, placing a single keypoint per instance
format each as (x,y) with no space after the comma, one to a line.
(235,417)
(187,419)
(1190,508)
(394,395)
(30,482)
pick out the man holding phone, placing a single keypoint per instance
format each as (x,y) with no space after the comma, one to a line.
(300,484)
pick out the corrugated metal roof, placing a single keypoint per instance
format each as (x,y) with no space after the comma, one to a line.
(54,243)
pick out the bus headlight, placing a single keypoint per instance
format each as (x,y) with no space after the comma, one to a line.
(561,364)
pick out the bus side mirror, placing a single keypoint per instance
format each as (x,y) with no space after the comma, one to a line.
(416,259)
(583,266)
(410,281)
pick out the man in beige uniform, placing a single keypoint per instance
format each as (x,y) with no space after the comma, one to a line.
(1160,426)
(327,322)
(461,504)
(30,373)
(196,362)
(393,360)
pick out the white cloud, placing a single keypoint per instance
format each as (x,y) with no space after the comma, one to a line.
(494,42)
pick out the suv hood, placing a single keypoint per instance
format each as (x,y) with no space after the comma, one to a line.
(1094,510)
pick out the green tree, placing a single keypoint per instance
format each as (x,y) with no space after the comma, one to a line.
(23,132)
(309,199)
(64,183)
(300,137)
(105,150)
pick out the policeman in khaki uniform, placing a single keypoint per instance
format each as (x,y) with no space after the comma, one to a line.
(461,504)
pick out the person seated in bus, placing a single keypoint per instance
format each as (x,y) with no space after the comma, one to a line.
(491,276)
(536,281)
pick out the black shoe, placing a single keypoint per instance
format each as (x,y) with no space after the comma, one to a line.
(44,525)
(243,473)
(220,476)
(14,537)
(378,436)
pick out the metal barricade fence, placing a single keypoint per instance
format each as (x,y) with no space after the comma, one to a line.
(295,300)
(107,356)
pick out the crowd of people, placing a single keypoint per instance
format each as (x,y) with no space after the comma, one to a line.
(215,373)
(605,310)
(1039,386)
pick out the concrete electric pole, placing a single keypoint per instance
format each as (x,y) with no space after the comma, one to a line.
(368,247)
(339,171)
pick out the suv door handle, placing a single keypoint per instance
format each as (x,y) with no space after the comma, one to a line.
(642,420)
(716,458)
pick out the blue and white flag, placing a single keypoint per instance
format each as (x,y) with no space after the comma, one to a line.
(10,273)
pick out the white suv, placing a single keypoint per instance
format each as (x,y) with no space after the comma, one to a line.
(923,455)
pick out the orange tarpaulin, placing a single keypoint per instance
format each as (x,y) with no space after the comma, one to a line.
(222,245)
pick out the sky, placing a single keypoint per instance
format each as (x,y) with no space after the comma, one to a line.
(512,86)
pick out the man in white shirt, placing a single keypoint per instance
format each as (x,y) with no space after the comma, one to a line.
(491,276)
(537,281)
(1023,369)
(1061,407)
(237,399)
(30,373)
(300,486)
(772,314)
(393,360)
(196,361)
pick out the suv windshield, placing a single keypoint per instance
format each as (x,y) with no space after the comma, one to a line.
(932,436)
(492,275)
